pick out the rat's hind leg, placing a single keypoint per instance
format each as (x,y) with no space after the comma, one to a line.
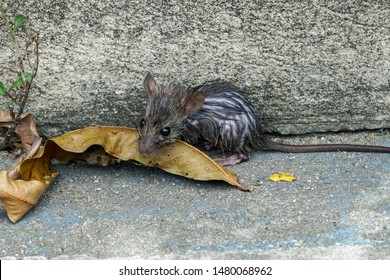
(236,158)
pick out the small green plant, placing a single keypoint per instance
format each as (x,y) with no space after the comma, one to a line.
(17,90)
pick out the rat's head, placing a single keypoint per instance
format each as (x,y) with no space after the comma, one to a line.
(166,113)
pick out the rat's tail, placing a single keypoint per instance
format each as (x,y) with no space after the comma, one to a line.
(262,141)
(274,146)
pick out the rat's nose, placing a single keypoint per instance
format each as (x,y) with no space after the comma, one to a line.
(144,151)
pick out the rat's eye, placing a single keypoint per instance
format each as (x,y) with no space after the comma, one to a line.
(142,123)
(165,131)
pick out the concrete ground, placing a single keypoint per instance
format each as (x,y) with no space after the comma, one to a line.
(338,208)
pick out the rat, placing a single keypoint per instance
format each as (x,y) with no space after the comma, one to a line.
(218,115)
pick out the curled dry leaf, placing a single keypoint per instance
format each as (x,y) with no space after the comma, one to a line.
(18,196)
(29,138)
(119,143)
(25,129)
(277,177)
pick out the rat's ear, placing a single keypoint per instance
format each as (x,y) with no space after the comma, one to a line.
(193,102)
(150,85)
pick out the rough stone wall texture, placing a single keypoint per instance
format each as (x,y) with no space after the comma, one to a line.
(307,65)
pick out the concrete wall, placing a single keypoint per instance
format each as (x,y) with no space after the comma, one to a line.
(306,65)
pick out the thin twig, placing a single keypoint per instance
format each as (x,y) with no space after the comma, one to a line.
(33,39)
(11,97)
(8,68)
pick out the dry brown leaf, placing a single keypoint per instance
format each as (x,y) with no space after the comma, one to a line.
(26,129)
(177,158)
(29,137)
(28,134)
(18,196)
(119,143)
(4,117)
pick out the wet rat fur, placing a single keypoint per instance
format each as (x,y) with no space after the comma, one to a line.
(217,115)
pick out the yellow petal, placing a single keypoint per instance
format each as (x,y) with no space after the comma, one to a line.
(277,177)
